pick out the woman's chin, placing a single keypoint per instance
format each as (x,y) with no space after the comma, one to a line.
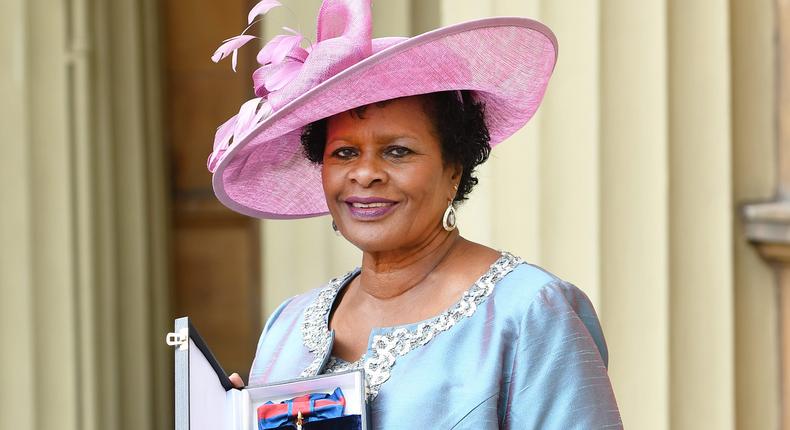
(369,237)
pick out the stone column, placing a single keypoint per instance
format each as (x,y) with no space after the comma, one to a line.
(767,224)
(83,283)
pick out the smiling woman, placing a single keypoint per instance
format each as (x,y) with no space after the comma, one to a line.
(456,120)
(385,135)
(389,159)
(388,186)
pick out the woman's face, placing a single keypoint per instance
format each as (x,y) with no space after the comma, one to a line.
(384,179)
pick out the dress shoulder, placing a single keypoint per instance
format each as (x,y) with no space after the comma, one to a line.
(560,365)
(534,297)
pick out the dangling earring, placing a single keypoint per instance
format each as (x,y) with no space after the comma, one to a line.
(449,220)
(334,228)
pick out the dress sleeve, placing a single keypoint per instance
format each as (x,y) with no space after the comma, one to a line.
(559,378)
(272,318)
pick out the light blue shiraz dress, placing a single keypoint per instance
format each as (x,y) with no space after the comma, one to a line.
(521,349)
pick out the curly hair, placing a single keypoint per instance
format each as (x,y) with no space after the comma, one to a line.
(459,123)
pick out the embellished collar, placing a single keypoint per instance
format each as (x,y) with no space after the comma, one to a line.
(397,341)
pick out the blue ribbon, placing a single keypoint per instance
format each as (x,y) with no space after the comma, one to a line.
(326,411)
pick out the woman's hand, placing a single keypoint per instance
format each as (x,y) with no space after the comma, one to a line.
(236,380)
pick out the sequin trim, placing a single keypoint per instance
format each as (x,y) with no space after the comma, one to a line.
(386,348)
(338,365)
(315,327)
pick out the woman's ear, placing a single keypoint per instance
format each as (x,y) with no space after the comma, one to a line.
(458,170)
(456,178)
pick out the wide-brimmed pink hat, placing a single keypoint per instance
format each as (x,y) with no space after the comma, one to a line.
(258,164)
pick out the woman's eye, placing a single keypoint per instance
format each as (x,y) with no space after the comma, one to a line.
(343,153)
(399,151)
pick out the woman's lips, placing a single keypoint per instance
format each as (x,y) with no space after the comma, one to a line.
(369,208)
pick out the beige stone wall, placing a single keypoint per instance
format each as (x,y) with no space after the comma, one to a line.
(754,178)
(83,268)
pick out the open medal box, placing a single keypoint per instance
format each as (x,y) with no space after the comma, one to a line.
(205,399)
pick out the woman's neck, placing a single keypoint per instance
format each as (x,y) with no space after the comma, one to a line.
(389,275)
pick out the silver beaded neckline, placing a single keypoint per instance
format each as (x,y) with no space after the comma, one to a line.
(386,348)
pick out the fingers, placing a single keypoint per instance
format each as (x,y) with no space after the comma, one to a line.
(236,380)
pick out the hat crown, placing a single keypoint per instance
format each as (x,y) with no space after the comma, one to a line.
(344,38)
(345,18)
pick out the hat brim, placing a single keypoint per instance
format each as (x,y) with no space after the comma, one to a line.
(505,61)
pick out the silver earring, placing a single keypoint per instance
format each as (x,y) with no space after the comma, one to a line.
(334,228)
(449,220)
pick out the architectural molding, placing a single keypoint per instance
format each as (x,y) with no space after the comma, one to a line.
(767,224)
(85,289)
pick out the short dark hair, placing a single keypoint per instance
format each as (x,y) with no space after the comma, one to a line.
(459,122)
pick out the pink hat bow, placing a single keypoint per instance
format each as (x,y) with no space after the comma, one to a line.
(343,38)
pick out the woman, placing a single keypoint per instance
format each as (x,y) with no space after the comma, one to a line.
(385,135)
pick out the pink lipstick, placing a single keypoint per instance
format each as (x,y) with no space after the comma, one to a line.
(369,208)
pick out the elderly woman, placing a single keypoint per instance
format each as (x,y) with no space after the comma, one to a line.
(385,136)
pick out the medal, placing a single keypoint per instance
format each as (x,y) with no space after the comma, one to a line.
(300,410)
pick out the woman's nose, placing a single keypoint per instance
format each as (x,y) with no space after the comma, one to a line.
(367,170)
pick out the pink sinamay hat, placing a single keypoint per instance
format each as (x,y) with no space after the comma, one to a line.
(258,164)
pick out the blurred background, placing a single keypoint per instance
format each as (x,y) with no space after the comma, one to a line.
(663,120)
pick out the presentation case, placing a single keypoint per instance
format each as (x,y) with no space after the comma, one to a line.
(205,399)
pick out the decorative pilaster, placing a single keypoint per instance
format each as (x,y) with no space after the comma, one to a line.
(767,224)
(83,283)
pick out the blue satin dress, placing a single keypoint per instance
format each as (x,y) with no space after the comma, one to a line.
(522,349)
